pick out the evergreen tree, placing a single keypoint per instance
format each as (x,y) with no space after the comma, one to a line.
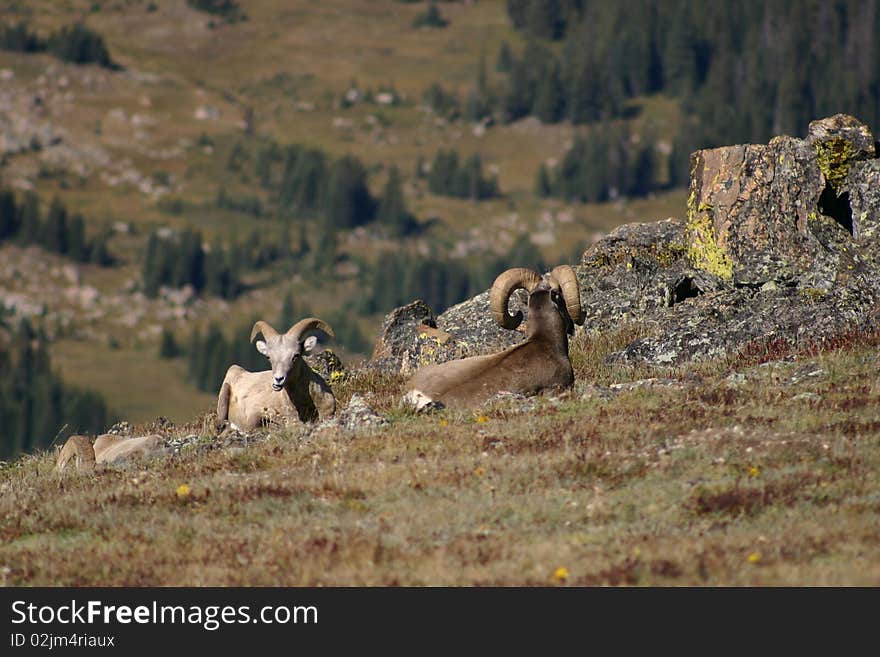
(189,265)
(550,99)
(17,37)
(392,210)
(80,45)
(35,406)
(10,215)
(518,102)
(31,224)
(76,235)
(679,56)
(303,180)
(545,19)
(518,10)
(543,183)
(154,267)
(54,234)
(24,375)
(505,59)
(288,316)
(324,256)
(98,252)
(348,201)
(168,347)
(431,17)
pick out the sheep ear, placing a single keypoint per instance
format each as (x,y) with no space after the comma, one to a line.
(309,343)
(261,347)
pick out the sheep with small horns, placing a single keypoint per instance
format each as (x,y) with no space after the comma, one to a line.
(290,391)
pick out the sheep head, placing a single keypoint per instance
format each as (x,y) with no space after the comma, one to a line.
(550,301)
(284,349)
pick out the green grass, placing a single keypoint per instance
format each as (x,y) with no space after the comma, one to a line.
(713,483)
(140,386)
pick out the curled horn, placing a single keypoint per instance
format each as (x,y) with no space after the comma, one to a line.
(264,328)
(505,285)
(308,323)
(565,277)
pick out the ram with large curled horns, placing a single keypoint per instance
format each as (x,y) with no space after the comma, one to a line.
(291,390)
(538,363)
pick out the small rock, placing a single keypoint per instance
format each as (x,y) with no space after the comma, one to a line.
(359,415)
(121,428)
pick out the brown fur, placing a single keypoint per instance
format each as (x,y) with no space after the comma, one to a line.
(539,363)
(108,449)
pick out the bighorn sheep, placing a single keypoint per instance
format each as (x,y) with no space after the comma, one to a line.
(108,448)
(297,392)
(539,362)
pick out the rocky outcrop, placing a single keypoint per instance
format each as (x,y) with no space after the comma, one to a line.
(780,241)
(779,248)
(413,336)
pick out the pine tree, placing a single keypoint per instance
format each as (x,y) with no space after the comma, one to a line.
(24,374)
(76,234)
(518,10)
(505,58)
(348,201)
(443,171)
(324,256)
(679,59)
(168,347)
(288,316)
(189,265)
(54,234)
(545,19)
(518,102)
(98,253)
(303,181)
(430,17)
(392,210)
(9,214)
(31,224)
(153,275)
(549,104)
(80,45)
(543,183)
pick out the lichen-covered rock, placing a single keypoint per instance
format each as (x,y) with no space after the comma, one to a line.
(358,414)
(636,270)
(839,141)
(326,364)
(748,209)
(863,186)
(413,336)
(759,213)
(781,242)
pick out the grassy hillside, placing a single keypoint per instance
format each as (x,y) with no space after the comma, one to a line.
(758,470)
(150,146)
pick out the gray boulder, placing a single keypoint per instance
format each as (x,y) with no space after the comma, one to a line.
(781,241)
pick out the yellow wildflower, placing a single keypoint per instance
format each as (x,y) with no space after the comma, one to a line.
(754,470)
(561,574)
(754,557)
(183,491)
(444,423)
(482,419)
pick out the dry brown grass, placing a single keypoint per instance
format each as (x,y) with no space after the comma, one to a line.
(712,483)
